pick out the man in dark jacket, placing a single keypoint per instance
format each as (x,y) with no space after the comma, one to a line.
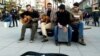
(63,17)
(95,15)
(63,20)
(14,13)
(32,23)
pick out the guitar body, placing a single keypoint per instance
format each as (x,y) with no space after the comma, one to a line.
(26,19)
(45,18)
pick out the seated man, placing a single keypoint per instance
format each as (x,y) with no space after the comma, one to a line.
(47,22)
(63,21)
(29,20)
(77,24)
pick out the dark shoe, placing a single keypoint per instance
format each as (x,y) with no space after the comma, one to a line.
(10,26)
(82,43)
(20,40)
(68,44)
(45,40)
(57,44)
(44,36)
(16,26)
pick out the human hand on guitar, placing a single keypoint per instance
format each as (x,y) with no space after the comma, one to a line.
(26,19)
(45,18)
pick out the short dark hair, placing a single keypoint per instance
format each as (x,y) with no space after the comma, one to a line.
(49,4)
(28,5)
(76,4)
(62,6)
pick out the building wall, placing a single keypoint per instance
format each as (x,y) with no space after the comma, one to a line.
(90,3)
(84,4)
(23,3)
(95,4)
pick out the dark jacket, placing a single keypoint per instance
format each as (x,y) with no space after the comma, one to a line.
(95,15)
(34,15)
(63,18)
(14,12)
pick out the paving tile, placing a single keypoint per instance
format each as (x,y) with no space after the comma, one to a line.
(50,47)
(70,53)
(9,45)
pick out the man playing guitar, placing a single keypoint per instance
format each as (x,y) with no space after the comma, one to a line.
(29,20)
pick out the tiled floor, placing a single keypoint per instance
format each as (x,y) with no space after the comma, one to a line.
(9,45)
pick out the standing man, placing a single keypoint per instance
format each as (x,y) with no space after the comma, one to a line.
(29,20)
(95,15)
(14,14)
(49,23)
(77,24)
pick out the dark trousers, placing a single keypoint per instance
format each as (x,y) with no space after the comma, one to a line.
(96,20)
(32,26)
(14,21)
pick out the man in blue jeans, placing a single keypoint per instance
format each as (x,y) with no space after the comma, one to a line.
(63,22)
(10,17)
(76,22)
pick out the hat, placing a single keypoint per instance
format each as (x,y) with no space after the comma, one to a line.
(62,6)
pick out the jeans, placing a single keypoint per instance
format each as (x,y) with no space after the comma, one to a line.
(80,27)
(10,20)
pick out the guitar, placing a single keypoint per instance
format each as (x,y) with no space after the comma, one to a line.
(45,18)
(26,19)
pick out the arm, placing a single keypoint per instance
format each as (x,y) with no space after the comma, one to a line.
(53,16)
(81,17)
(36,18)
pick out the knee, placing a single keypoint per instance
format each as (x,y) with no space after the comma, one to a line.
(42,24)
(34,27)
(70,28)
(81,23)
(55,28)
(24,26)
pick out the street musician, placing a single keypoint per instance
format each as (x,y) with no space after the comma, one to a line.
(29,19)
